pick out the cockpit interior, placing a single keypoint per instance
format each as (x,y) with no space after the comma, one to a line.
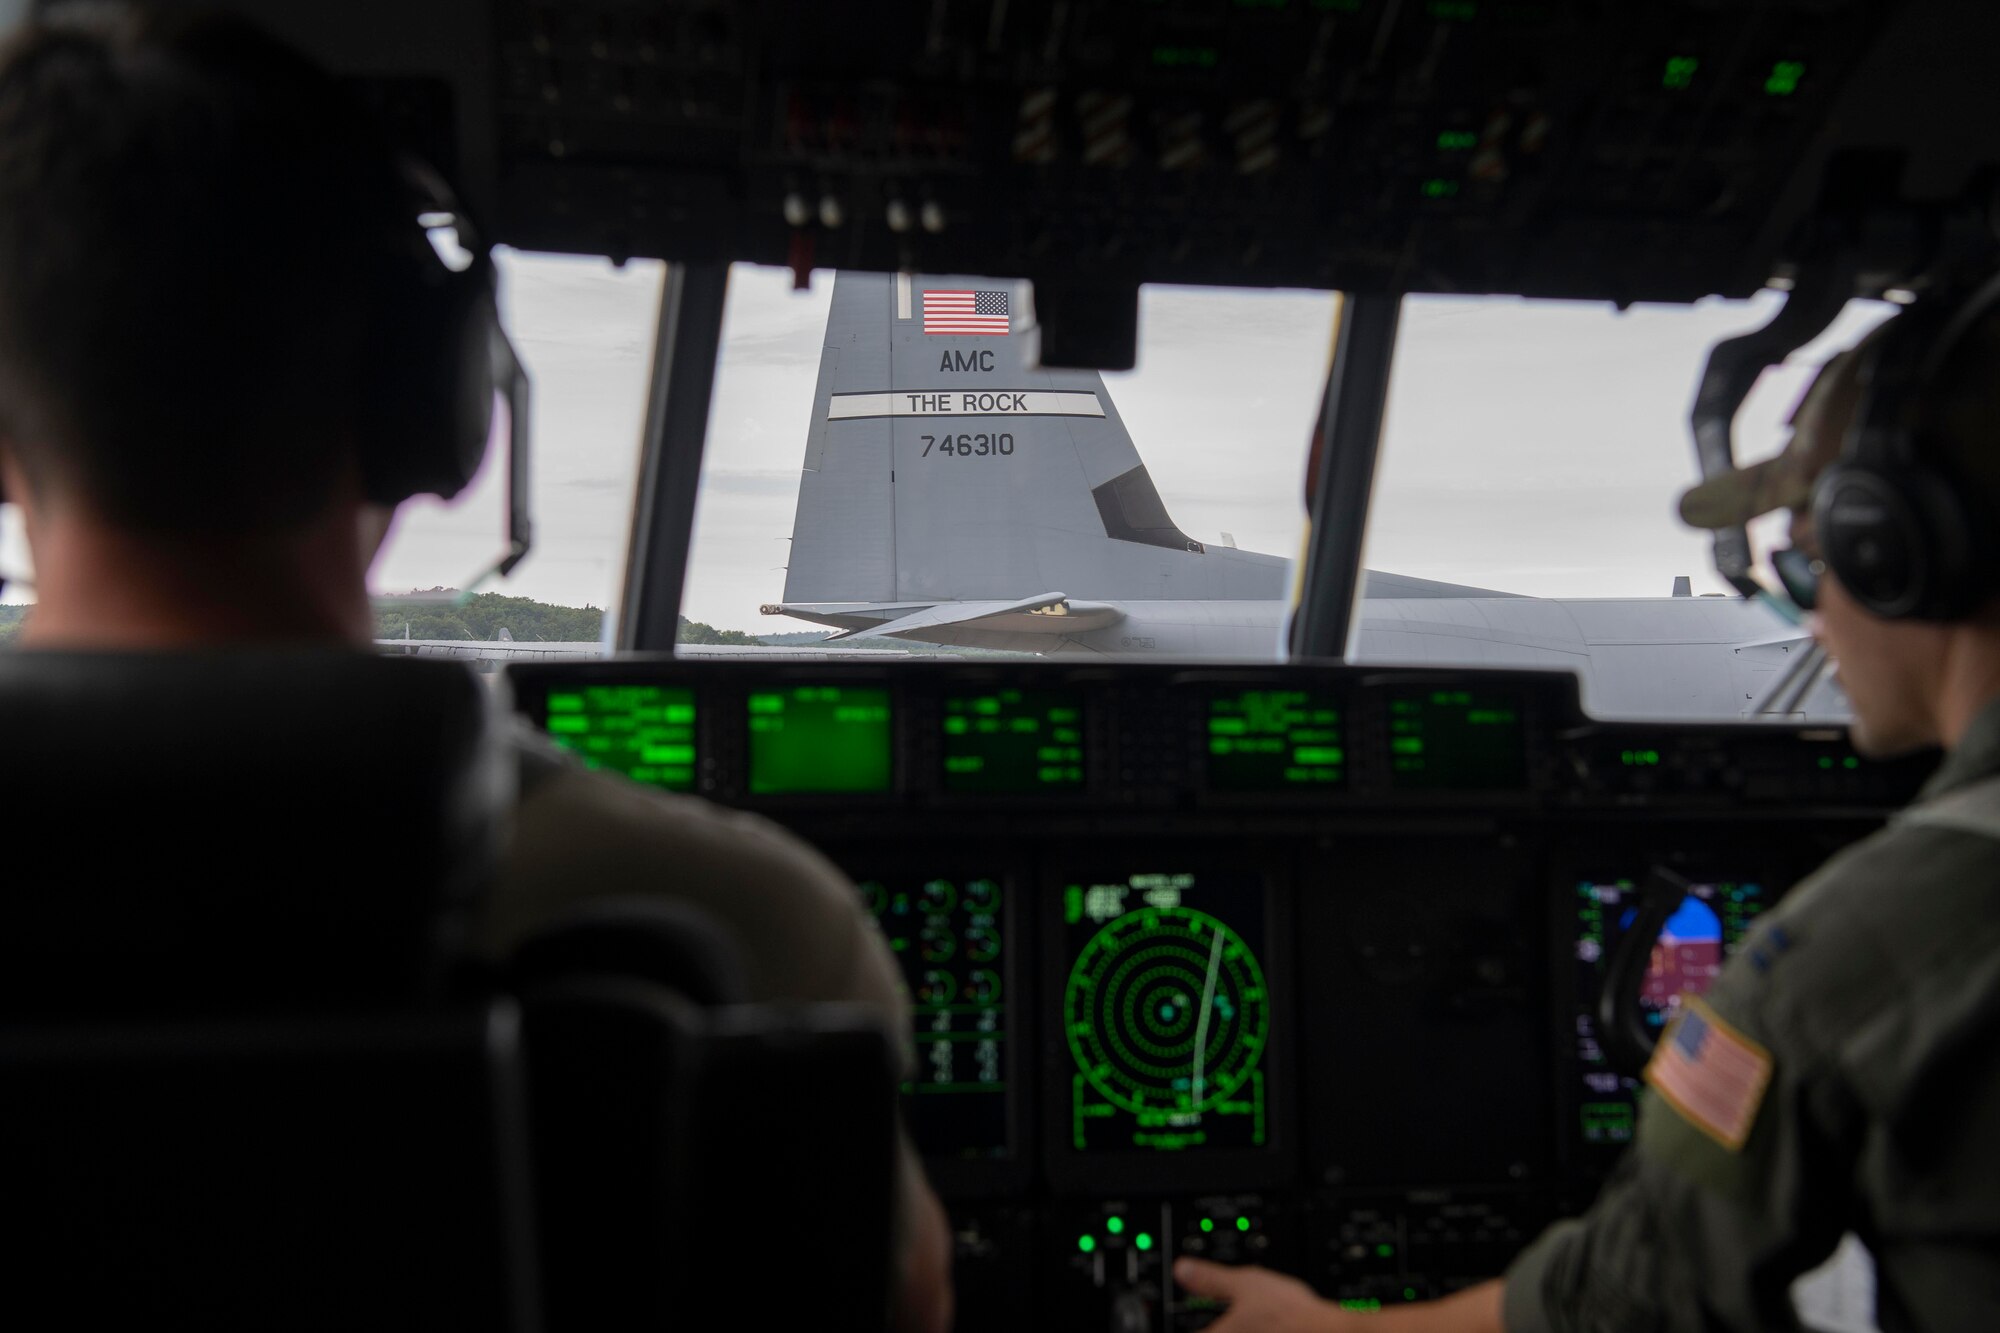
(1416,926)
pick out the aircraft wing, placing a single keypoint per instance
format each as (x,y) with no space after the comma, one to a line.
(1045,613)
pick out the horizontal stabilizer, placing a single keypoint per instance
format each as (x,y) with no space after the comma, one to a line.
(1044,613)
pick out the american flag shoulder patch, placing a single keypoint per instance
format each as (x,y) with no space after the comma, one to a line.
(1711,1074)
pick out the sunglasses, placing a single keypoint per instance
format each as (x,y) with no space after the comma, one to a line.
(1800,573)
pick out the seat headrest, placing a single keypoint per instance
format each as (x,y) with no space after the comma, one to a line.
(195,831)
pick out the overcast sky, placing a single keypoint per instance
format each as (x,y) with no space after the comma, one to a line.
(1532,447)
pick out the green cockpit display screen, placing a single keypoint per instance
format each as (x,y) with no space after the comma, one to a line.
(1457,740)
(1166,1013)
(1013,741)
(819,738)
(646,732)
(1274,741)
(948,935)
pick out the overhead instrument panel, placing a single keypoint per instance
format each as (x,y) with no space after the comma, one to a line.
(1545,147)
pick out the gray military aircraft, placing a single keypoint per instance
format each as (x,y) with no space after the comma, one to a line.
(955,494)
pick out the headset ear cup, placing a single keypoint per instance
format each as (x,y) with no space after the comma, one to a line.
(455,403)
(473,379)
(1868,531)
(430,406)
(1902,543)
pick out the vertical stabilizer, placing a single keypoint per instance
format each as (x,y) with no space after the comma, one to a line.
(939,467)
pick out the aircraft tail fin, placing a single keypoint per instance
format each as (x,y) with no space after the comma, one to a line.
(941,466)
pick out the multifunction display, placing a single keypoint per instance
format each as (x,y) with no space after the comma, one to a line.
(1013,741)
(1166,1013)
(1701,933)
(646,732)
(776,733)
(948,936)
(1274,741)
(1456,739)
(820,738)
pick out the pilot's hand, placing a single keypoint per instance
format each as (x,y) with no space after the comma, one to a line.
(1260,1301)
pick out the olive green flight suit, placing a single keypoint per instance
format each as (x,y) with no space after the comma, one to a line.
(1872,993)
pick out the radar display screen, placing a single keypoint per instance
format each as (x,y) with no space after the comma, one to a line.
(1275,740)
(819,738)
(1457,740)
(1166,1014)
(947,936)
(1701,933)
(1013,741)
(646,732)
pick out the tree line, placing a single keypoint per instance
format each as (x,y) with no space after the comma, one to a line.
(481,618)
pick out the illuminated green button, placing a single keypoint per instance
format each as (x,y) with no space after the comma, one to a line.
(1385,1251)
(1143,1241)
(1115,1225)
(1086,1243)
(1242,1224)
(1785,76)
(1208,1224)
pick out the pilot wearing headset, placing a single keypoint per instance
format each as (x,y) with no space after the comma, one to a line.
(227,352)
(1843,1075)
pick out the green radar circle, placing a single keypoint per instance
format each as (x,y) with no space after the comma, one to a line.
(1166,1011)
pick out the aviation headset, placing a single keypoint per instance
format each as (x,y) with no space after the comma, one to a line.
(436,347)
(1905,539)
(427,407)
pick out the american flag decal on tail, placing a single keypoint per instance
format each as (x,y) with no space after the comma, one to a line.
(982,314)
